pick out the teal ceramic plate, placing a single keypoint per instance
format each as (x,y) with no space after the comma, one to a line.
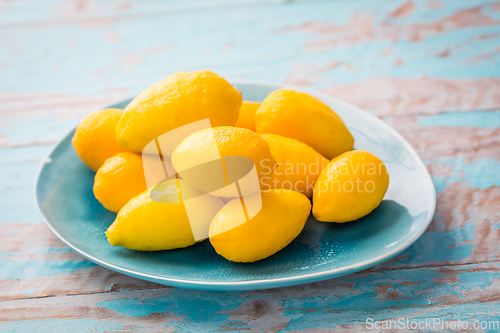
(322,251)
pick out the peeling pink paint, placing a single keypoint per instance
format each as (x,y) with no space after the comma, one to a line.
(362,29)
(398,96)
(430,141)
(111,36)
(434,4)
(398,62)
(132,60)
(403,10)
(482,57)
(157,49)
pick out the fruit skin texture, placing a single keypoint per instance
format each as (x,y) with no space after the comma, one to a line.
(95,139)
(180,99)
(246,118)
(298,164)
(231,141)
(118,180)
(303,117)
(361,171)
(146,225)
(281,219)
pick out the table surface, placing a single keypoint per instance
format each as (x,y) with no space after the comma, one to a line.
(429,68)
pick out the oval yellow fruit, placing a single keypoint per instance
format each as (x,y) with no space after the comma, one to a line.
(164,223)
(298,164)
(350,187)
(211,159)
(121,178)
(281,219)
(95,137)
(178,100)
(303,117)
(246,117)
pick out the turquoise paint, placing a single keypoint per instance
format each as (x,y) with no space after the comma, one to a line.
(259,49)
(470,312)
(65,325)
(201,310)
(31,269)
(363,302)
(37,251)
(40,130)
(326,310)
(482,119)
(19,167)
(439,246)
(481,174)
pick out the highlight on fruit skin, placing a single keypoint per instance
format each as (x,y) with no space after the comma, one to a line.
(169,216)
(178,100)
(280,220)
(351,186)
(305,118)
(95,137)
(213,160)
(299,165)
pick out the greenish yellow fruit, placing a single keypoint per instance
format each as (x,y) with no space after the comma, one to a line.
(298,164)
(281,219)
(178,100)
(145,224)
(350,187)
(303,117)
(95,139)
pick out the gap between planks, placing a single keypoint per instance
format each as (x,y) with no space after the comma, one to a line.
(366,271)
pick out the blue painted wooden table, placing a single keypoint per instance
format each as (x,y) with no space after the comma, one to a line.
(429,68)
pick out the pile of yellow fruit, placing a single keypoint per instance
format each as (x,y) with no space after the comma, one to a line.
(300,147)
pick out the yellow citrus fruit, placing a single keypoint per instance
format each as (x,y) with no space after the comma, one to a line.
(95,137)
(178,100)
(246,118)
(298,164)
(121,178)
(303,117)
(145,224)
(281,219)
(350,187)
(198,159)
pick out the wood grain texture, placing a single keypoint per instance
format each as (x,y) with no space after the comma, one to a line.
(470,292)
(429,68)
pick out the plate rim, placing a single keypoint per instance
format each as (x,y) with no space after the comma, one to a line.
(262,283)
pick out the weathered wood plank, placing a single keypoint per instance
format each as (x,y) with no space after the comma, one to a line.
(466,228)
(31,119)
(373,60)
(49,117)
(452,293)
(451,133)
